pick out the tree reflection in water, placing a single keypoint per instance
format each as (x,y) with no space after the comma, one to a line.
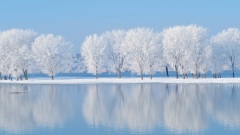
(141,108)
(24,107)
(227,107)
(179,108)
(122,106)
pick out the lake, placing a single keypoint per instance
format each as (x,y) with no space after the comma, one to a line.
(108,109)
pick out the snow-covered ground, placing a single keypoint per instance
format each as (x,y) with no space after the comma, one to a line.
(68,80)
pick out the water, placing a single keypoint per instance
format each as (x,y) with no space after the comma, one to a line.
(120,109)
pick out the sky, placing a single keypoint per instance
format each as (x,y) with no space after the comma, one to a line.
(76,19)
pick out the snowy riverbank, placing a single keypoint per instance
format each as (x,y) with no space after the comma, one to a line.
(123,80)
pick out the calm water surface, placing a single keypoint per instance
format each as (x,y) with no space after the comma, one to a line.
(120,109)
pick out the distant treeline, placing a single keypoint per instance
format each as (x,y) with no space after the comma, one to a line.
(186,49)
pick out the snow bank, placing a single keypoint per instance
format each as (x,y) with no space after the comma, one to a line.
(123,80)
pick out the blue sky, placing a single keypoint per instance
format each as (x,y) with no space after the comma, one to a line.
(75,19)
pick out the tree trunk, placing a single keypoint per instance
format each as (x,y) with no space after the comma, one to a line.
(232,61)
(119,74)
(96,75)
(26,74)
(167,71)
(21,78)
(0,76)
(192,75)
(5,77)
(141,75)
(150,72)
(52,77)
(176,68)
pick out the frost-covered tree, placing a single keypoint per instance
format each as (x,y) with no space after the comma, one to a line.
(52,54)
(216,66)
(206,62)
(77,65)
(230,40)
(175,44)
(185,49)
(154,55)
(141,42)
(16,56)
(198,51)
(93,54)
(117,51)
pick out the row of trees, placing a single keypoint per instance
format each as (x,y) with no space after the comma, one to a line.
(185,49)
(24,51)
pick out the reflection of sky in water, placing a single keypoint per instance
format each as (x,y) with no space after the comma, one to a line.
(120,109)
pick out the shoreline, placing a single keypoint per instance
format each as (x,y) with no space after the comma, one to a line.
(124,80)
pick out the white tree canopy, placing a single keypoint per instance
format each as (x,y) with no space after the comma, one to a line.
(117,51)
(52,54)
(230,41)
(155,59)
(175,43)
(198,51)
(141,42)
(93,54)
(185,49)
(217,62)
(16,56)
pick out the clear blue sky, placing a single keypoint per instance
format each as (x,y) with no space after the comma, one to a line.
(75,19)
